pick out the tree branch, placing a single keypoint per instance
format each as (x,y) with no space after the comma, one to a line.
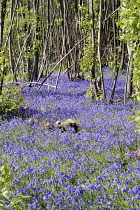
(111,14)
(62,60)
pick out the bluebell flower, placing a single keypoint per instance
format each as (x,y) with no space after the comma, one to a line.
(64,170)
(79,191)
(33,205)
(124,189)
(116,180)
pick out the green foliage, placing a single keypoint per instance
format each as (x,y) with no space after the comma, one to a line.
(57,4)
(90,93)
(85,21)
(85,24)
(59,21)
(5,178)
(86,64)
(87,60)
(136,117)
(136,74)
(130,25)
(3,61)
(129,20)
(5,181)
(10,99)
(29,16)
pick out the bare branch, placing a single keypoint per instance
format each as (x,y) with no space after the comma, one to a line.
(62,60)
(28,83)
(111,14)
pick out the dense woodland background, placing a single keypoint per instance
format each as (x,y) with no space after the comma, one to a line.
(78,37)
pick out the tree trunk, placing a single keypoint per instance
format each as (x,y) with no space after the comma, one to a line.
(93,81)
(10,43)
(36,42)
(129,75)
(115,41)
(101,78)
(2,19)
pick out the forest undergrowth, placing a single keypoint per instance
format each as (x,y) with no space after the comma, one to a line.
(95,168)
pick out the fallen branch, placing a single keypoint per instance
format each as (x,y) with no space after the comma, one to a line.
(28,83)
(62,60)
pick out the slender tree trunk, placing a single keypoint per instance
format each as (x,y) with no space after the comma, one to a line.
(93,82)
(129,75)
(116,68)
(1,78)
(37,38)
(99,50)
(10,42)
(28,45)
(129,72)
(2,19)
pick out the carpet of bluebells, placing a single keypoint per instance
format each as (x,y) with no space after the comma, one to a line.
(94,168)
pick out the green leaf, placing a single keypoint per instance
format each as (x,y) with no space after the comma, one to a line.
(0,203)
(6,192)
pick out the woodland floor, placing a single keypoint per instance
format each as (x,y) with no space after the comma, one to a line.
(95,168)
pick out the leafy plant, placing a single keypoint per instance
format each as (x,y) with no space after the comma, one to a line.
(5,178)
(5,181)
(129,23)
(87,60)
(10,99)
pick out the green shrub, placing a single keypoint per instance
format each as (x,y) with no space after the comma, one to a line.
(10,99)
